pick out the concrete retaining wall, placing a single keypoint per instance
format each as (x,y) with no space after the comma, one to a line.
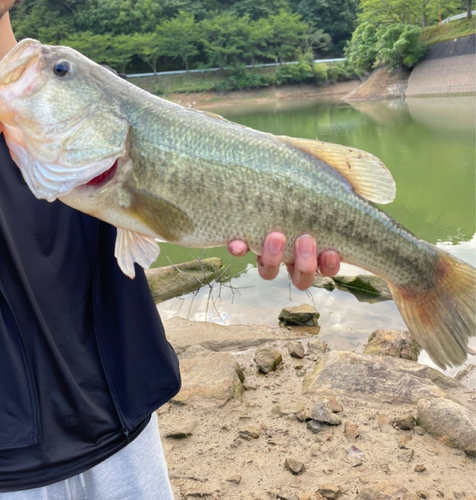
(448,69)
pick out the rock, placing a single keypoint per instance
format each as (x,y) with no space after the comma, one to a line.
(209,377)
(249,433)
(324,282)
(316,346)
(267,359)
(468,377)
(304,314)
(294,466)
(354,452)
(334,405)
(403,441)
(171,281)
(296,349)
(386,491)
(419,468)
(419,431)
(423,494)
(317,427)
(181,431)
(322,413)
(351,431)
(365,284)
(396,343)
(380,378)
(236,479)
(449,422)
(405,422)
(329,491)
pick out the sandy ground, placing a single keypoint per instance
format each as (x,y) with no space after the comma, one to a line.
(219,460)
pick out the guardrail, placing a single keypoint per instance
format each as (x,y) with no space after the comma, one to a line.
(458,16)
(181,72)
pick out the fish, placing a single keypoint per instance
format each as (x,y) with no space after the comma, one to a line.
(162,172)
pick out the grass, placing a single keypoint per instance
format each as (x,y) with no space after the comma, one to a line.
(449,31)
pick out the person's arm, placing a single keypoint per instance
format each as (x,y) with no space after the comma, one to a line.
(306,260)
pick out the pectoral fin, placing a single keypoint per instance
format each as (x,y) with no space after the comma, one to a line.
(166,220)
(367,175)
(134,247)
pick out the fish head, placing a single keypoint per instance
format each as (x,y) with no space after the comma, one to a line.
(63,124)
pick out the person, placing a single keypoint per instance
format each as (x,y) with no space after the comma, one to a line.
(84,361)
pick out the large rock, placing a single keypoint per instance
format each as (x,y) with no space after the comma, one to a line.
(267,359)
(304,314)
(172,281)
(209,377)
(368,284)
(382,378)
(396,343)
(386,491)
(449,422)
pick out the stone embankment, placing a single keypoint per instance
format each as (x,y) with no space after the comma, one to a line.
(271,413)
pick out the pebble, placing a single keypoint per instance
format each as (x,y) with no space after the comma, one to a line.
(419,431)
(329,491)
(322,413)
(423,494)
(294,466)
(316,346)
(304,314)
(404,440)
(334,405)
(236,479)
(296,349)
(316,427)
(351,431)
(249,433)
(406,421)
(420,468)
(267,359)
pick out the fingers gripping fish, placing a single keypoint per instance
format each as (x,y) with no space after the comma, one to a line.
(157,170)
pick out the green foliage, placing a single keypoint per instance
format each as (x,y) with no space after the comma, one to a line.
(288,32)
(399,46)
(449,31)
(242,78)
(320,73)
(178,37)
(361,52)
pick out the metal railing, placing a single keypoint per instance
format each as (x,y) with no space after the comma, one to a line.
(181,72)
(455,18)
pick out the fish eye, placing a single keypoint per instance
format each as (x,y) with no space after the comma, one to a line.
(61,68)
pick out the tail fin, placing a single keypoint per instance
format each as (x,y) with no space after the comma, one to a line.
(442,319)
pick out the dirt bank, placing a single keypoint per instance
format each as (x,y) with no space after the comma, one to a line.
(209,99)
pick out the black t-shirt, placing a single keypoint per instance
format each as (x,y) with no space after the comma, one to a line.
(58,414)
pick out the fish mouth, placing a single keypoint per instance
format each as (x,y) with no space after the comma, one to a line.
(16,62)
(103,178)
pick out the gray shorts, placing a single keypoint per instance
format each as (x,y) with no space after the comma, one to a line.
(137,472)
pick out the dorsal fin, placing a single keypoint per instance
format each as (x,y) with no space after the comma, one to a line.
(367,175)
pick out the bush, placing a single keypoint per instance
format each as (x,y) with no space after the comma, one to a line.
(320,73)
(293,73)
(242,78)
(361,51)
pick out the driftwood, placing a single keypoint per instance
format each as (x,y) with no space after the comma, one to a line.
(171,281)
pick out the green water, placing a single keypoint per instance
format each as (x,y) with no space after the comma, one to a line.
(429,146)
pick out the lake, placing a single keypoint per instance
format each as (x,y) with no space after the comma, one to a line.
(429,146)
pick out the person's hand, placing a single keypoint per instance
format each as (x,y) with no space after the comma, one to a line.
(306,260)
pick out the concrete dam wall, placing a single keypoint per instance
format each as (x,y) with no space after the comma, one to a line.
(448,69)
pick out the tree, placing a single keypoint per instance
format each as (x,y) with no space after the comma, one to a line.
(399,45)
(335,17)
(260,34)
(150,48)
(316,39)
(288,34)
(361,51)
(224,38)
(469,9)
(179,37)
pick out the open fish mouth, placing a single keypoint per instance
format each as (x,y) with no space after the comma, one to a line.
(103,178)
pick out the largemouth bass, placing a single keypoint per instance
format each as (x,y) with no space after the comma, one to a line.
(157,170)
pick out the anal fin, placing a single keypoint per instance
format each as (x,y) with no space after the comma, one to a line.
(134,247)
